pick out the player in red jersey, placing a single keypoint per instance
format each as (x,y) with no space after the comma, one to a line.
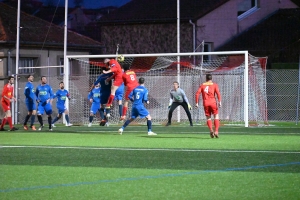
(209,90)
(7,97)
(130,82)
(115,68)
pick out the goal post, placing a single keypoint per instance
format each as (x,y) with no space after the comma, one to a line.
(241,78)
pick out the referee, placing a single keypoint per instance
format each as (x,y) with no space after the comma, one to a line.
(178,97)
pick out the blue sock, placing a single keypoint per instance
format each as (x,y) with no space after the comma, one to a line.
(121,110)
(55,120)
(32,120)
(149,124)
(126,124)
(67,119)
(101,113)
(91,119)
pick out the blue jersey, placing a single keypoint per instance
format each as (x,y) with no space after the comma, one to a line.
(44,92)
(29,92)
(95,95)
(61,95)
(139,95)
(104,86)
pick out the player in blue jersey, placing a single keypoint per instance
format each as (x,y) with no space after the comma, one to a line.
(94,98)
(119,98)
(105,93)
(44,96)
(62,95)
(30,100)
(139,96)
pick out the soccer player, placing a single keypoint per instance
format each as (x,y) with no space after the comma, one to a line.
(119,98)
(209,90)
(139,95)
(94,97)
(30,100)
(7,98)
(62,95)
(178,97)
(114,67)
(44,96)
(105,88)
(130,81)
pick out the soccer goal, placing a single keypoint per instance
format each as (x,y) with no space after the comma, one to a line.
(241,78)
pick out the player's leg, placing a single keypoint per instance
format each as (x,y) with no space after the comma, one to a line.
(188,113)
(112,95)
(32,119)
(93,111)
(40,112)
(134,114)
(207,111)
(172,108)
(215,112)
(9,119)
(58,116)
(67,118)
(4,120)
(125,108)
(48,109)
(102,116)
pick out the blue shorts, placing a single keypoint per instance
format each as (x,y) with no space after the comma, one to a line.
(119,93)
(30,105)
(44,107)
(61,109)
(104,97)
(95,108)
(139,111)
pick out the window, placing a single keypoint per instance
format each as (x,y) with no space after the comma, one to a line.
(26,62)
(246,8)
(207,48)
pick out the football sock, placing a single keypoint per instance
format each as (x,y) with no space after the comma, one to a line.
(67,119)
(149,124)
(26,119)
(40,120)
(110,100)
(9,122)
(217,124)
(209,124)
(101,111)
(126,124)
(55,120)
(91,119)
(3,122)
(120,110)
(125,110)
(32,119)
(49,121)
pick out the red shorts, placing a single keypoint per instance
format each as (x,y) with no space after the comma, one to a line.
(118,81)
(128,90)
(5,106)
(211,109)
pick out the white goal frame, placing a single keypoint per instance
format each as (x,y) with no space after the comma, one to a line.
(246,75)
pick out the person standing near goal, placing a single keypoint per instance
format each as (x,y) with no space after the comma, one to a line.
(30,101)
(208,90)
(62,95)
(7,98)
(130,81)
(139,96)
(178,98)
(94,98)
(44,96)
(115,68)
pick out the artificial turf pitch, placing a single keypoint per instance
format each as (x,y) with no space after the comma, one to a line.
(181,162)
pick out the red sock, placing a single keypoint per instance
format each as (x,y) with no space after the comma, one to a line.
(10,122)
(217,125)
(209,124)
(3,122)
(110,100)
(124,110)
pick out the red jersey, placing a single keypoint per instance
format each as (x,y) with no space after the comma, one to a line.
(129,78)
(208,90)
(8,91)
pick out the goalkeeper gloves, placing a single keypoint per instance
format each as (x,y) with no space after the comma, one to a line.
(169,106)
(189,106)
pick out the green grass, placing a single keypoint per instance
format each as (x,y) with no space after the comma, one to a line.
(181,162)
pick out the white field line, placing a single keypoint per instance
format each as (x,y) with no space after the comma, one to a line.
(151,149)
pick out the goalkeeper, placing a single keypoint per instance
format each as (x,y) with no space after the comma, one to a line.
(178,97)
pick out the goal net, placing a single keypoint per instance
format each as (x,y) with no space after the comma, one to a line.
(241,78)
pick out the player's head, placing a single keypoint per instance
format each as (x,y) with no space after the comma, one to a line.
(43,79)
(175,84)
(61,85)
(98,85)
(30,78)
(208,77)
(11,79)
(126,67)
(106,62)
(141,80)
